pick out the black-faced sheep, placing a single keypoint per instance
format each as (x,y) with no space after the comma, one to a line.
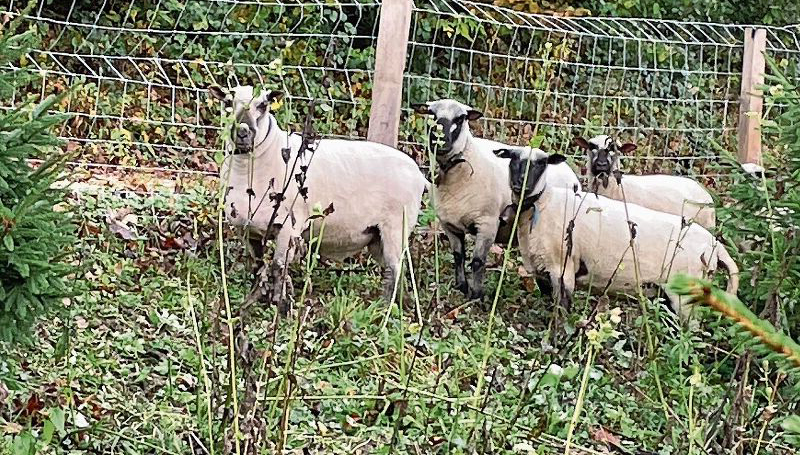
(471,193)
(673,194)
(596,251)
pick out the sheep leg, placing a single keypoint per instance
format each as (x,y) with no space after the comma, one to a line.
(483,242)
(459,246)
(256,243)
(392,250)
(683,310)
(543,282)
(565,286)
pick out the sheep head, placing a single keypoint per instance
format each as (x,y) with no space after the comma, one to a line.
(251,111)
(603,154)
(449,135)
(535,161)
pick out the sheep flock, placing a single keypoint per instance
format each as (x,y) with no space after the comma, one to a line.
(615,234)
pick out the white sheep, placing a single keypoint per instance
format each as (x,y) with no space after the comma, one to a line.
(471,193)
(596,252)
(372,188)
(666,193)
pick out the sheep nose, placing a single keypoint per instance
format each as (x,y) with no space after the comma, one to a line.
(242,133)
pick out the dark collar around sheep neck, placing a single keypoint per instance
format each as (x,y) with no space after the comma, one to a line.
(530,201)
(447,165)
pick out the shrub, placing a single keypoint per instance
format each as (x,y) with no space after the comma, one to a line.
(34,234)
(764,216)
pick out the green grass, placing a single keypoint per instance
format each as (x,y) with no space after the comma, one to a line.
(120,371)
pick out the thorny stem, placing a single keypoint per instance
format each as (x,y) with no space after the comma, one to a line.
(229,317)
(642,300)
(579,404)
(204,372)
(507,251)
(311,261)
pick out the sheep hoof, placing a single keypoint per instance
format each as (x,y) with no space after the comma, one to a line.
(464,288)
(475,294)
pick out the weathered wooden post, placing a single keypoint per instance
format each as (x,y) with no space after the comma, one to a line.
(390,62)
(751,101)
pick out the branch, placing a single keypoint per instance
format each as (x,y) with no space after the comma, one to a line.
(773,343)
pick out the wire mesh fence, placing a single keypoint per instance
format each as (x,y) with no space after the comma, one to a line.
(139,72)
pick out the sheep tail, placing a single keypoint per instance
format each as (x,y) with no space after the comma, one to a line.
(725,260)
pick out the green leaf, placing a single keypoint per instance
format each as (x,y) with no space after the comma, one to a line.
(47,432)
(8,241)
(791,424)
(23,444)
(57,417)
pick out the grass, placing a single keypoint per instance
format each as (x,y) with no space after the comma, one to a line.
(141,361)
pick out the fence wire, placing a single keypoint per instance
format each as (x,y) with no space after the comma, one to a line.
(141,73)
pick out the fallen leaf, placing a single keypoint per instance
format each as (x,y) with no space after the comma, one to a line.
(121,230)
(80,420)
(605,436)
(33,405)
(12,428)
(452,314)
(171,243)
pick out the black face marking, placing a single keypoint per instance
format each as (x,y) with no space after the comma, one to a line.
(517,174)
(477,264)
(602,159)
(472,229)
(450,131)
(244,132)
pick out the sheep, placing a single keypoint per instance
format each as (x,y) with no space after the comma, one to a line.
(471,194)
(666,193)
(373,190)
(594,250)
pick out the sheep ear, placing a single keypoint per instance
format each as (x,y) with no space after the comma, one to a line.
(629,147)
(217,92)
(506,153)
(422,108)
(556,158)
(472,114)
(582,143)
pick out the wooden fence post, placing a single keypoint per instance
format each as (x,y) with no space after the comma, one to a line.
(390,62)
(751,99)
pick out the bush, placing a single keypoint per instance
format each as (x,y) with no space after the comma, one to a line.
(764,216)
(34,234)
